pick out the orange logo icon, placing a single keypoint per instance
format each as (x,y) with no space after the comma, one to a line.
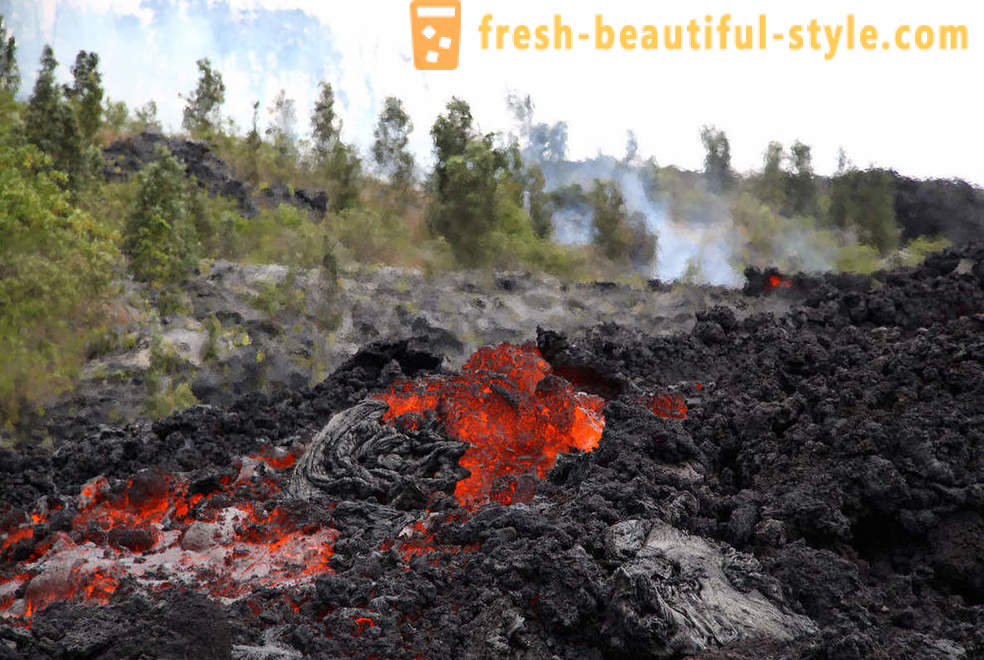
(436,26)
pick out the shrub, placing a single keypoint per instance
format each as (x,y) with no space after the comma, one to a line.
(284,295)
(283,235)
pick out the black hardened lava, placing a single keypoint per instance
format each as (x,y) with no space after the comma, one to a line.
(825,493)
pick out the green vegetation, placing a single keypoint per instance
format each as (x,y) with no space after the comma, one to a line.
(919,248)
(58,263)
(282,295)
(51,125)
(540,205)
(86,93)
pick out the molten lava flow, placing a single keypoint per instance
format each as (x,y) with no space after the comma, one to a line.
(513,413)
(775,282)
(228,541)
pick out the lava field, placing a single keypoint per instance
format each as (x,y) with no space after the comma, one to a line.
(810,485)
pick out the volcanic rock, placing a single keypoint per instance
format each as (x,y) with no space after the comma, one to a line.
(127,156)
(823,497)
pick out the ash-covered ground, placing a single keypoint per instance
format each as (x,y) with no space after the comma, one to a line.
(823,497)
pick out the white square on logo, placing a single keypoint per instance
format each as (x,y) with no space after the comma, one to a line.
(429,32)
(431,56)
(444,43)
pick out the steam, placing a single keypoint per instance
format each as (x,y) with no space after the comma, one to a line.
(682,246)
(148,52)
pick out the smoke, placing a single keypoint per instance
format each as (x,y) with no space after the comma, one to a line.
(148,52)
(683,246)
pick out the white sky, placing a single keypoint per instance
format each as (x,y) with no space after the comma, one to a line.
(919,112)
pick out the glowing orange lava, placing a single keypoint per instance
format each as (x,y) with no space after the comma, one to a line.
(776,282)
(228,542)
(361,624)
(515,415)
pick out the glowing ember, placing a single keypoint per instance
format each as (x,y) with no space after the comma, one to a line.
(515,415)
(667,404)
(157,533)
(362,623)
(416,540)
(776,282)
(278,458)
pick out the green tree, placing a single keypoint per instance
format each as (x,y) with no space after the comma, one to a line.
(610,220)
(283,135)
(337,161)
(770,186)
(326,125)
(464,211)
(253,144)
(451,133)
(801,183)
(9,73)
(717,160)
(539,204)
(85,94)
(57,264)
(390,147)
(483,197)
(622,237)
(51,125)
(864,202)
(201,113)
(160,238)
(345,170)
